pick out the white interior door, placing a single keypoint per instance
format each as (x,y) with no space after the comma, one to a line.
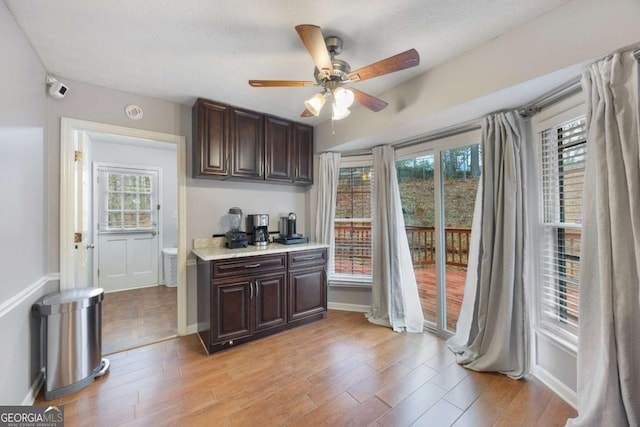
(127,213)
(83,238)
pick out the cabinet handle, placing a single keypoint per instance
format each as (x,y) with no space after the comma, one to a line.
(257,283)
(251,290)
(251,265)
(306,257)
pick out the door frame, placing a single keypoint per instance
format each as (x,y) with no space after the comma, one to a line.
(68,127)
(96,204)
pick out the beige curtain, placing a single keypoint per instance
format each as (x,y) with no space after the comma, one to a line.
(609,322)
(395,300)
(326,192)
(492,327)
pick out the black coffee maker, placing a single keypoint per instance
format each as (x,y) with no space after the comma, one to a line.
(288,234)
(257,229)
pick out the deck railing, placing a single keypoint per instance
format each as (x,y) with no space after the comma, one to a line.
(353,247)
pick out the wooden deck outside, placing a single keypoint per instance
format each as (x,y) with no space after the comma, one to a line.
(426,281)
(353,256)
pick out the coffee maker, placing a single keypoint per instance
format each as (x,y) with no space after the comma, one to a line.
(288,234)
(257,229)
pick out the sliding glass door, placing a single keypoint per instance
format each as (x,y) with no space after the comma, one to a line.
(438,191)
(417,193)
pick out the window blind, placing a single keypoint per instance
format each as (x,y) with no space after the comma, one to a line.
(563,160)
(352,226)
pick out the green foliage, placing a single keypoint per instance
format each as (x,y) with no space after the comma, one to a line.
(418,201)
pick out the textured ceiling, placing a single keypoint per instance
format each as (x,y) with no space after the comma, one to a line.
(181,50)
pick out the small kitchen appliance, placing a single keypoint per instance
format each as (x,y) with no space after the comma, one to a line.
(234,238)
(257,229)
(288,234)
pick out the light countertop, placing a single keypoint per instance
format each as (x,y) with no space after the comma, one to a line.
(217,252)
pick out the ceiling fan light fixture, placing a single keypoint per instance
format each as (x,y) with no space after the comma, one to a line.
(343,98)
(315,103)
(339,113)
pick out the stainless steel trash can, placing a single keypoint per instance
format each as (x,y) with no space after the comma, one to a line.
(72,332)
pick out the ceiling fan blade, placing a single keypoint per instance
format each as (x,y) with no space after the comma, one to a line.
(306,113)
(279,83)
(401,61)
(371,102)
(311,36)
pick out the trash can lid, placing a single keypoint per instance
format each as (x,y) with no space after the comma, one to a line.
(68,300)
(170,251)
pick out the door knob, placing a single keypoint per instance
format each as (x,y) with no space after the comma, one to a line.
(153,233)
(90,246)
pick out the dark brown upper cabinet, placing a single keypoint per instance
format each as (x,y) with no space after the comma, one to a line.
(278,149)
(303,154)
(233,143)
(247,144)
(211,139)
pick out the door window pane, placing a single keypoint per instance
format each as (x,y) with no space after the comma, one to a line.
(145,202)
(417,194)
(128,199)
(460,176)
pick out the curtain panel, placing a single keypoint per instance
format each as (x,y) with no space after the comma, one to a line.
(609,321)
(492,330)
(326,192)
(395,300)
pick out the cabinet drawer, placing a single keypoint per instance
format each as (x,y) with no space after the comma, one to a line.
(247,265)
(300,259)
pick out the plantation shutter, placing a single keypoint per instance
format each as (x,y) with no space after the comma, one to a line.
(563,161)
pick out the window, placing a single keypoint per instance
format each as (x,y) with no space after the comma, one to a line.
(127,200)
(562,159)
(352,226)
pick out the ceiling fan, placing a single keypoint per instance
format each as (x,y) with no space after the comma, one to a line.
(334,75)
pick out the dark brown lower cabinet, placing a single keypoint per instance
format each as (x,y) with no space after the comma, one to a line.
(307,293)
(242,299)
(270,302)
(232,302)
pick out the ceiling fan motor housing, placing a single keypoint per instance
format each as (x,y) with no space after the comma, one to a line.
(334,44)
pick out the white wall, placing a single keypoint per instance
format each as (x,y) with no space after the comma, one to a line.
(23,271)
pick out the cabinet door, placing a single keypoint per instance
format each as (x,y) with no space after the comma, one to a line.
(270,301)
(247,144)
(278,153)
(303,154)
(231,313)
(210,146)
(307,293)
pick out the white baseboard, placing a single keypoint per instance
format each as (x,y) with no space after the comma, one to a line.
(192,329)
(34,390)
(348,307)
(567,394)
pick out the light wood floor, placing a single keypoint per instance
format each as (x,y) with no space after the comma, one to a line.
(138,317)
(338,371)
